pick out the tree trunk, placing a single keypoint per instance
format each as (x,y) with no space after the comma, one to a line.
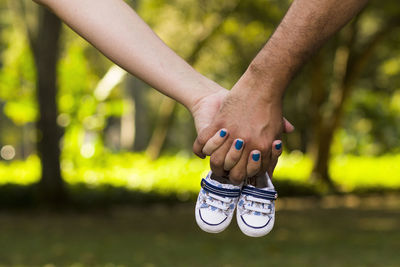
(348,66)
(164,121)
(322,155)
(317,98)
(46,50)
(321,137)
(331,111)
(138,90)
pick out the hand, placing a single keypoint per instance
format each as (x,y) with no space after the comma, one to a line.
(233,156)
(203,113)
(252,119)
(204,109)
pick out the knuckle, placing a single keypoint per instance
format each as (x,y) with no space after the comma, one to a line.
(236,177)
(264,147)
(202,139)
(235,157)
(228,166)
(217,161)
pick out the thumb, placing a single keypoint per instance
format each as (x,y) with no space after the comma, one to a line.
(287,126)
(276,153)
(202,139)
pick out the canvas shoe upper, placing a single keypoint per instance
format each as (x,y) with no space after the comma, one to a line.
(215,204)
(256,210)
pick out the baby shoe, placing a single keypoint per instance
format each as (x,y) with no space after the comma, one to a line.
(216,204)
(256,209)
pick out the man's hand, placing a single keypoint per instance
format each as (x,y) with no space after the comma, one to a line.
(245,115)
(216,109)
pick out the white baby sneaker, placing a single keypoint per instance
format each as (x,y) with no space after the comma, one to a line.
(215,204)
(255,212)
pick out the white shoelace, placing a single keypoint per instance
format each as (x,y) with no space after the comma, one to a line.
(260,205)
(214,202)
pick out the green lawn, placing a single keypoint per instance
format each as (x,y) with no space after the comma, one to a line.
(308,232)
(180,174)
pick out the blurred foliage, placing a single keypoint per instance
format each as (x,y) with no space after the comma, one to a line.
(370,126)
(365,148)
(17,78)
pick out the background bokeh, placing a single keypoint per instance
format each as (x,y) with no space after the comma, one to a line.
(96,167)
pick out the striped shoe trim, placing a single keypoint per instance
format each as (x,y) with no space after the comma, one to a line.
(255,192)
(223,192)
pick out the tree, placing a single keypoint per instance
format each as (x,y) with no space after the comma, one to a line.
(328,101)
(43,31)
(45,46)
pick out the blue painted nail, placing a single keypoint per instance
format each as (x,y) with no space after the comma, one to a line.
(222,133)
(238,144)
(278,146)
(256,156)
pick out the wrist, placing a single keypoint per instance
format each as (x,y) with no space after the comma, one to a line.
(199,91)
(271,70)
(260,87)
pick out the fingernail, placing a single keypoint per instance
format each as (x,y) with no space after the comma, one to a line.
(278,146)
(256,156)
(238,144)
(222,133)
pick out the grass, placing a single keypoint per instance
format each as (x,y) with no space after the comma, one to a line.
(336,231)
(180,174)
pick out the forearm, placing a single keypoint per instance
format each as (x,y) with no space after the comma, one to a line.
(305,27)
(120,34)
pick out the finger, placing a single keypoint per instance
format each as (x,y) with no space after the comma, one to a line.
(202,139)
(215,142)
(260,180)
(197,148)
(238,173)
(265,159)
(217,158)
(287,126)
(254,163)
(233,155)
(275,154)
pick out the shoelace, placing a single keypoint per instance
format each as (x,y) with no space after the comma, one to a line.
(224,206)
(261,205)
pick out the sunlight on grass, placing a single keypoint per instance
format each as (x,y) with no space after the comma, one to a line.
(352,171)
(182,174)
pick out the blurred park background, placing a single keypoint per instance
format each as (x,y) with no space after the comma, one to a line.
(96,167)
